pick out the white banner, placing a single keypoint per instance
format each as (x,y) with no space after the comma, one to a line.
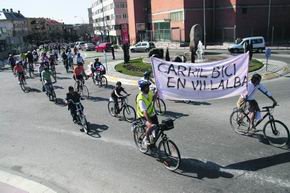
(201,81)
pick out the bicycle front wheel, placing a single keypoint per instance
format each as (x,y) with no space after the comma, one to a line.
(159,106)
(85,91)
(276,133)
(169,154)
(129,113)
(139,134)
(240,122)
(111,108)
(22,86)
(85,124)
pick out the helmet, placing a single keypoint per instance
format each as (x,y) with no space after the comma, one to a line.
(143,84)
(147,74)
(118,83)
(256,76)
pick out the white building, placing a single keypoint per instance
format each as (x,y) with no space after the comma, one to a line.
(107,17)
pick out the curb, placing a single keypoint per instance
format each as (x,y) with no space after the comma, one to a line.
(123,80)
(26,185)
(273,75)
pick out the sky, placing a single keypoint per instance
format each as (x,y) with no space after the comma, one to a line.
(67,11)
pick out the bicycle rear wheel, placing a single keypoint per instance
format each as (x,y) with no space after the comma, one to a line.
(159,106)
(169,154)
(84,123)
(111,108)
(129,113)
(139,134)
(104,81)
(240,122)
(276,133)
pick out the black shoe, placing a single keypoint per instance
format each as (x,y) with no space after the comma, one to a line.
(82,130)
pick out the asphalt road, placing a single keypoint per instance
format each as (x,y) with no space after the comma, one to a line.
(39,140)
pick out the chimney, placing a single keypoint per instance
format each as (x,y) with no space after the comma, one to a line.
(18,12)
(4,10)
(7,10)
(11,10)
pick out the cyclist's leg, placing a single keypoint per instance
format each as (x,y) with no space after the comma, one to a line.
(253,108)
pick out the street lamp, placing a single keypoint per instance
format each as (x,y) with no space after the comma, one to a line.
(204,26)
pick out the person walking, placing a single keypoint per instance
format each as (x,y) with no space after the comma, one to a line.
(113,52)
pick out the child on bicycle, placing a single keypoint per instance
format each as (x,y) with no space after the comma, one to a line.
(116,94)
(72,96)
(249,96)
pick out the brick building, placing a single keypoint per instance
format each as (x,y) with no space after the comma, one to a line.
(226,20)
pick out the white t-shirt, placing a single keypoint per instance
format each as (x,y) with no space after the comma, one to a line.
(252,89)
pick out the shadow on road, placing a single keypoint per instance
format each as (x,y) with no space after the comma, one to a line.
(261,163)
(63,78)
(193,102)
(96,129)
(174,115)
(57,87)
(33,90)
(197,169)
(60,102)
(97,99)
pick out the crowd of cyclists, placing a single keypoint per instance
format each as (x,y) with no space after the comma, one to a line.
(144,101)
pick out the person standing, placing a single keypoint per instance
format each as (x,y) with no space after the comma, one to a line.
(113,52)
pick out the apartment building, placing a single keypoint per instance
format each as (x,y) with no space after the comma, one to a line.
(108,15)
(225,20)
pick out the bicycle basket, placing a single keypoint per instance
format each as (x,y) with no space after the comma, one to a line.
(167,124)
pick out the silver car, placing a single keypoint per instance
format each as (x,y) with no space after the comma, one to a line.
(89,47)
(142,47)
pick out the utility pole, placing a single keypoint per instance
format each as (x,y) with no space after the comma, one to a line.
(204,26)
(269,20)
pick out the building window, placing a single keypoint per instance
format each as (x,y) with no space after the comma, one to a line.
(244,10)
(125,16)
(177,16)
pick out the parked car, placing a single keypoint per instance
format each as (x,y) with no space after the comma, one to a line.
(142,47)
(107,46)
(89,46)
(258,44)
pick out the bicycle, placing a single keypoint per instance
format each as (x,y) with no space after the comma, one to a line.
(49,90)
(53,71)
(129,112)
(81,88)
(81,118)
(275,131)
(22,83)
(100,79)
(167,150)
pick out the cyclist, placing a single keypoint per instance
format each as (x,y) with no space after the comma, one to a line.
(75,97)
(98,68)
(116,94)
(249,96)
(46,78)
(80,59)
(79,73)
(145,109)
(19,71)
(11,61)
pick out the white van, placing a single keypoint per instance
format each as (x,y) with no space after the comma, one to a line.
(257,42)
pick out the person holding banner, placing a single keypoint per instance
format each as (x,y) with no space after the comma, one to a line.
(254,110)
(145,109)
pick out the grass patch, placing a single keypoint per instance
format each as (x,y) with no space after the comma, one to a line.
(255,65)
(135,67)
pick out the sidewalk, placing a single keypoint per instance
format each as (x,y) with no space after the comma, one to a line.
(10,183)
(275,69)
